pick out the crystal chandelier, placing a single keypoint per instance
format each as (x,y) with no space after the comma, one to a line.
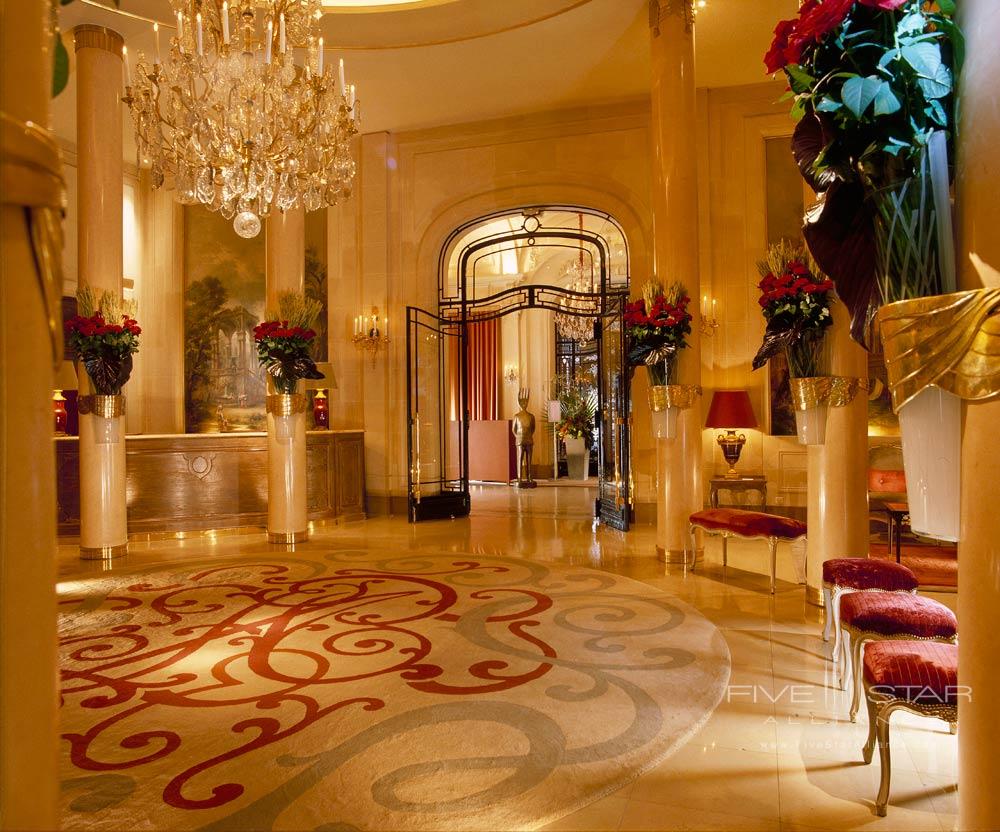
(575,323)
(243,117)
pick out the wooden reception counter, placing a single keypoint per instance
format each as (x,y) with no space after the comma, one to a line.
(198,481)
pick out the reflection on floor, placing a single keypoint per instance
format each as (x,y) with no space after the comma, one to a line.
(563,501)
(778,753)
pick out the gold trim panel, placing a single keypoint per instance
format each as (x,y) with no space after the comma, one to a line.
(108,407)
(87,35)
(286,404)
(103,552)
(287,538)
(681,396)
(835,391)
(952,341)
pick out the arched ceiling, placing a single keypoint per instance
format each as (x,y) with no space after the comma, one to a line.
(426,63)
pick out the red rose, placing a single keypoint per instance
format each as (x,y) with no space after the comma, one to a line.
(775,57)
(884,5)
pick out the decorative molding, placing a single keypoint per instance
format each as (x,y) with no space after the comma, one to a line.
(660,10)
(89,36)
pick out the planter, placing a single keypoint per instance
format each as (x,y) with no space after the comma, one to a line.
(810,397)
(103,516)
(287,521)
(938,351)
(666,401)
(577,458)
(931,427)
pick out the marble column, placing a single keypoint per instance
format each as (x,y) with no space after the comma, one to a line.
(837,508)
(675,252)
(287,518)
(99,87)
(29,309)
(285,244)
(979,549)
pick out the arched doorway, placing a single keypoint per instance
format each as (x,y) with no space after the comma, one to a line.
(570,261)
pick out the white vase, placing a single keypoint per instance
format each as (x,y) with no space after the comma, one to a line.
(287,517)
(576,458)
(931,427)
(103,498)
(810,425)
(664,423)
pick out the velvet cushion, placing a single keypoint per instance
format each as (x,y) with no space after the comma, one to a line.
(748,523)
(886,481)
(862,573)
(918,671)
(893,614)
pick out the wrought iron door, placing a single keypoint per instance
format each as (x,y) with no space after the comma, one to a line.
(614,496)
(437,417)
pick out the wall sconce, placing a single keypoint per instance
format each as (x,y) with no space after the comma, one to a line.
(709,321)
(371,332)
(511,373)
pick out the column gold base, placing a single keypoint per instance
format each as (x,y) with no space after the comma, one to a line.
(675,555)
(103,552)
(287,538)
(814,596)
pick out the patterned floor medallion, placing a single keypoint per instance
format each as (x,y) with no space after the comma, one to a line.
(342,692)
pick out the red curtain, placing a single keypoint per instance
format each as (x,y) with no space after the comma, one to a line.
(482,373)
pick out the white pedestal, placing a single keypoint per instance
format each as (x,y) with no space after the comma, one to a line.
(287,521)
(103,517)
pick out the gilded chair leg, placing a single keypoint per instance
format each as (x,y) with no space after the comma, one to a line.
(835,614)
(882,735)
(827,614)
(869,746)
(772,543)
(694,549)
(725,554)
(857,660)
(845,658)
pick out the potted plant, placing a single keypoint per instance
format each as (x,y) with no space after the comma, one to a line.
(103,336)
(656,326)
(795,302)
(577,409)
(873,84)
(284,344)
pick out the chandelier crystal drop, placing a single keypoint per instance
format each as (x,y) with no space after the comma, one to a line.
(243,116)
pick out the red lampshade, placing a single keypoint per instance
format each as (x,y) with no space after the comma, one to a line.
(730,409)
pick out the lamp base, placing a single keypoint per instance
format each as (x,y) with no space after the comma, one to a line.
(732,446)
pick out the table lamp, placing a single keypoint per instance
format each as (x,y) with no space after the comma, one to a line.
(321,404)
(731,409)
(65,379)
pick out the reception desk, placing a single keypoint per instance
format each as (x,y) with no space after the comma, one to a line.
(197,481)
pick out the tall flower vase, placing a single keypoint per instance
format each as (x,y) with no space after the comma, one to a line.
(287,520)
(666,401)
(576,458)
(810,409)
(103,515)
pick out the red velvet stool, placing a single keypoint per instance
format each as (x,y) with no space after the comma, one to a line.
(844,575)
(750,525)
(884,616)
(916,676)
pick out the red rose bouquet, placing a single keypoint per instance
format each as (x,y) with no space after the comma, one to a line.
(873,84)
(104,338)
(284,343)
(796,305)
(656,326)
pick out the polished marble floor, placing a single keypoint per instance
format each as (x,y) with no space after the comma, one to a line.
(778,753)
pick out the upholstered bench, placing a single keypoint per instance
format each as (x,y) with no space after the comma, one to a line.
(916,676)
(882,616)
(752,525)
(844,575)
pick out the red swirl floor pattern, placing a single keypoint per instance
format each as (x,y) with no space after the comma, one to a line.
(340,692)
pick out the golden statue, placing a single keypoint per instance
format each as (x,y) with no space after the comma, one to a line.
(524,437)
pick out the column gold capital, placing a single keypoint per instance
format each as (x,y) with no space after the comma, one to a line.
(87,35)
(660,10)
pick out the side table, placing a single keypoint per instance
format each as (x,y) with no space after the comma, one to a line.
(750,482)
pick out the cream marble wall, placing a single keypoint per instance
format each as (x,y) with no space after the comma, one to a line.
(735,121)
(415,188)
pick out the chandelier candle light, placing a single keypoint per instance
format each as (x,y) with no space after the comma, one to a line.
(244,117)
